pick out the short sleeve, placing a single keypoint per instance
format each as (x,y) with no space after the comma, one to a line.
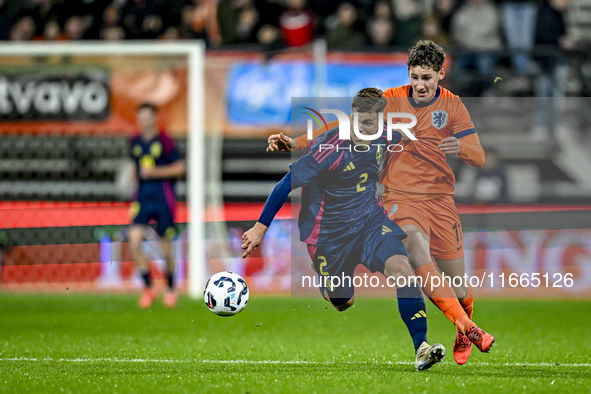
(461,122)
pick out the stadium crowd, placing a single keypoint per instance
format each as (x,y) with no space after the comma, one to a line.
(473,24)
(481,34)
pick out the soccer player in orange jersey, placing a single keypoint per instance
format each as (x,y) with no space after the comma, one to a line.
(419,184)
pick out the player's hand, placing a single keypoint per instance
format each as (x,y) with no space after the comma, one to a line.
(280,142)
(252,238)
(450,146)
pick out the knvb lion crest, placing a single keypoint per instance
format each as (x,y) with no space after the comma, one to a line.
(439,119)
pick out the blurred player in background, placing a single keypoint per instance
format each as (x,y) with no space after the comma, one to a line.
(419,184)
(343,223)
(157,164)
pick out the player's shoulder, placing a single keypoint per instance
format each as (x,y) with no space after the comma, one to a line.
(164,136)
(327,146)
(399,91)
(330,136)
(166,141)
(443,92)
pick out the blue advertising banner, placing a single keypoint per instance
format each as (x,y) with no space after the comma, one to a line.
(260,94)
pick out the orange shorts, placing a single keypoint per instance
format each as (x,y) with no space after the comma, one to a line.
(438,218)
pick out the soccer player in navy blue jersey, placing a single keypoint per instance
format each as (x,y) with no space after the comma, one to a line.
(157,165)
(343,222)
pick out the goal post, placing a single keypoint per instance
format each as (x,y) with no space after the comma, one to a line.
(194,52)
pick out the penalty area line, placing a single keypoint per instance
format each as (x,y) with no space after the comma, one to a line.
(271,362)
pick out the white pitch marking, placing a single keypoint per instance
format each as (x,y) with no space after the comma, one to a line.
(140,360)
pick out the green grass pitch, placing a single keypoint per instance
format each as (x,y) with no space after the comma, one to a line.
(84,343)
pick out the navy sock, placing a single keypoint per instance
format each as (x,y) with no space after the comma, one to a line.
(147,278)
(170,279)
(411,306)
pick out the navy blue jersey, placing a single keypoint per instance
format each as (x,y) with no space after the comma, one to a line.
(158,151)
(339,188)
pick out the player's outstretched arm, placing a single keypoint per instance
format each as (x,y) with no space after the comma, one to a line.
(253,237)
(285,144)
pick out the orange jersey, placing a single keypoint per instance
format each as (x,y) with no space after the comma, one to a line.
(420,171)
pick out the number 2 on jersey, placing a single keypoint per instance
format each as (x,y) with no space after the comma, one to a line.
(363,178)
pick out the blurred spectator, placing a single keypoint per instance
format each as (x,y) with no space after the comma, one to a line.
(7,18)
(475,30)
(75,28)
(228,11)
(431,30)
(383,9)
(444,10)
(297,23)
(141,19)
(409,15)
(45,11)
(114,33)
(52,31)
(23,29)
(248,25)
(491,184)
(269,35)
(380,32)
(203,21)
(550,39)
(271,38)
(519,25)
(344,33)
(91,11)
(110,29)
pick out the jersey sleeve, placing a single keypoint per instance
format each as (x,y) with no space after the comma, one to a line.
(302,141)
(463,129)
(276,200)
(461,121)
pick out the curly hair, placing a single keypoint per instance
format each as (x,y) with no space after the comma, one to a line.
(426,54)
(369,100)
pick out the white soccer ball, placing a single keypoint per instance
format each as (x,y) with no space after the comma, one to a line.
(226,293)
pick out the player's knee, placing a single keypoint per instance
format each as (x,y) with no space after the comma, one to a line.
(418,250)
(397,266)
(342,304)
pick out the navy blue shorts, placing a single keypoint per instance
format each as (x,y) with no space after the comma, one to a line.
(159,211)
(376,243)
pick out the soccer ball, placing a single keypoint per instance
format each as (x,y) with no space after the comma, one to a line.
(226,293)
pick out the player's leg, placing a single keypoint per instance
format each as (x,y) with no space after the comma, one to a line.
(465,293)
(330,262)
(447,248)
(166,229)
(432,282)
(389,258)
(136,236)
(411,307)
(463,290)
